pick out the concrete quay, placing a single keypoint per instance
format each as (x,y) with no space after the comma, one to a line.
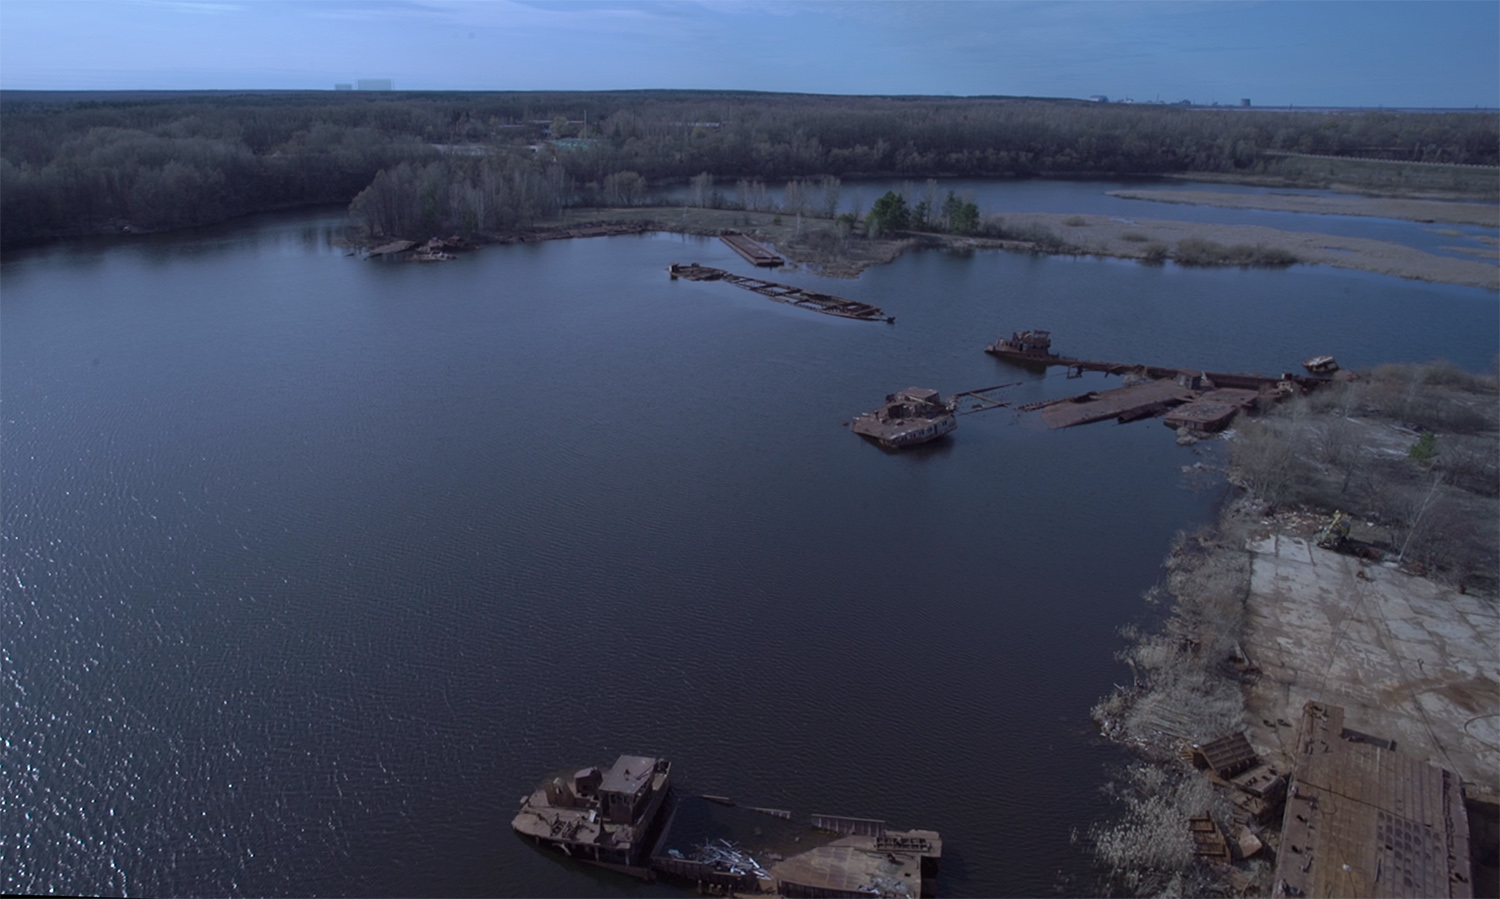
(1406,658)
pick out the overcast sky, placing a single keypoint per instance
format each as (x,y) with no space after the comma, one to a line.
(1425,54)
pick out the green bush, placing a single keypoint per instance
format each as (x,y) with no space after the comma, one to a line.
(1424,450)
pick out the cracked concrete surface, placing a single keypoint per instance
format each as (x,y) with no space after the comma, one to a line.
(1408,659)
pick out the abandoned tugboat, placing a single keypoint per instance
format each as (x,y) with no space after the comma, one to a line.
(912,416)
(1026,346)
(606,817)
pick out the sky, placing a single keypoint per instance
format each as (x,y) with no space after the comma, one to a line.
(1426,53)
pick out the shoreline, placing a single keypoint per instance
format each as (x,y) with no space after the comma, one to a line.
(1406,209)
(810,241)
(1393,624)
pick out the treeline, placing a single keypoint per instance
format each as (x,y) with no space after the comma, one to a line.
(468,196)
(85,163)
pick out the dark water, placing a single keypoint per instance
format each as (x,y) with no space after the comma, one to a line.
(999,197)
(312,565)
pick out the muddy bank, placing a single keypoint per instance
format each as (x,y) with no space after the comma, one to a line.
(1134,239)
(1412,210)
(818,244)
(834,251)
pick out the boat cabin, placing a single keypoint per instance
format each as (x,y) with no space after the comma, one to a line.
(625,788)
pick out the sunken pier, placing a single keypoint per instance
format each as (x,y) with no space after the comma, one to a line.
(754,253)
(783,293)
(1187,398)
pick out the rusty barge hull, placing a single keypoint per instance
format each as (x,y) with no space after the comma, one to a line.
(784,293)
(1236,380)
(1197,400)
(909,417)
(754,253)
(605,817)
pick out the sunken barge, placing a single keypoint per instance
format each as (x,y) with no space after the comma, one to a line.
(826,303)
(606,817)
(909,417)
(624,819)
(1190,399)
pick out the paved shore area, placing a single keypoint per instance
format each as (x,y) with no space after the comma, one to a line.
(1407,659)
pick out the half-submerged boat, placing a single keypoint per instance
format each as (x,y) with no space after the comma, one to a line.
(605,817)
(909,417)
(1033,347)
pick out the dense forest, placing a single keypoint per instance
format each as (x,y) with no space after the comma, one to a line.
(413,164)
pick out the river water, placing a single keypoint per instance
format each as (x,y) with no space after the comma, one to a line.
(313,566)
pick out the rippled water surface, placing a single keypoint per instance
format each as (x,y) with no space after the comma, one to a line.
(313,565)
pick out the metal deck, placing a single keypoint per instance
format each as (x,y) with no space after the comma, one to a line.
(1365,820)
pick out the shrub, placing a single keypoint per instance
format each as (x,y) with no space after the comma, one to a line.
(1197,251)
(1424,450)
(1134,237)
(1155,253)
(1075,221)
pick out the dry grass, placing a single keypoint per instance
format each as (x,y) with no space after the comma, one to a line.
(1355,447)
(1039,232)
(1149,850)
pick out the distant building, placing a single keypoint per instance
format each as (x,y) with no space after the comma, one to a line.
(1099,98)
(343,87)
(374,84)
(1245,102)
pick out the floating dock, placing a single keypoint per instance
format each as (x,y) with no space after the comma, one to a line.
(753,252)
(783,293)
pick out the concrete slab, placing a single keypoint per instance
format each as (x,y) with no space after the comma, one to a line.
(1405,657)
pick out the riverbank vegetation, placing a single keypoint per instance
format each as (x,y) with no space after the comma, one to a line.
(80,163)
(1411,452)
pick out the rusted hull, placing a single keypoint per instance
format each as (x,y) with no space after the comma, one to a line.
(584,832)
(917,433)
(754,253)
(783,293)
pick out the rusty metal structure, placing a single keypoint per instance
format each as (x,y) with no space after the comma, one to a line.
(783,293)
(909,417)
(1187,398)
(1034,348)
(754,253)
(1027,347)
(604,817)
(1365,820)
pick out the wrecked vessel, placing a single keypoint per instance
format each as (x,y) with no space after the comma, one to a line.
(912,416)
(606,817)
(1032,346)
